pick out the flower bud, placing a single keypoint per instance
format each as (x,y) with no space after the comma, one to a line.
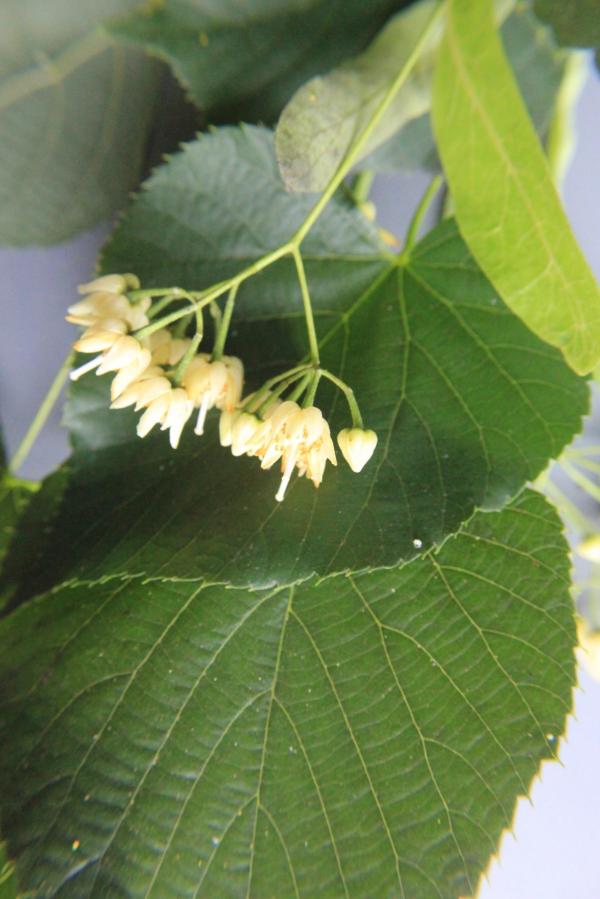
(357,446)
(110,284)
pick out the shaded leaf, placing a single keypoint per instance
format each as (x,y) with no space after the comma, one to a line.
(425,345)
(73,105)
(8,888)
(369,733)
(243,61)
(576,23)
(506,205)
(325,117)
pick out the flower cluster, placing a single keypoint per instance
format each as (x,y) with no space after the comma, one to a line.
(165,378)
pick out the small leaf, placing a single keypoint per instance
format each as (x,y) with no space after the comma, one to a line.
(467,403)
(506,205)
(243,61)
(74,114)
(369,734)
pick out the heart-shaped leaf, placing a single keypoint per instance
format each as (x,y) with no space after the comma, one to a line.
(367,733)
(468,404)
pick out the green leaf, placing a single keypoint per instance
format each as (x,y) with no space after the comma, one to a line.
(324,118)
(539,68)
(468,404)
(8,887)
(576,23)
(74,114)
(244,61)
(506,205)
(15,495)
(367,733)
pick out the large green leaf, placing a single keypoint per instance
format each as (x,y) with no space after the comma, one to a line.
(468,403)
(506,205)
(74,113)
(366,733)
(244,61)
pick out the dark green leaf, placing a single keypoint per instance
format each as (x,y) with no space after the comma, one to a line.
(244,61)
(468,404)
(576,23)
(74,114)
(369,734)
(8,887)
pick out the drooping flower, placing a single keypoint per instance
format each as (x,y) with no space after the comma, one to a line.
(149,386)
(213,384)
(166,349)
(126,356)
(301,439)
(101,303)
(170,410)
(110,284)
(357,446)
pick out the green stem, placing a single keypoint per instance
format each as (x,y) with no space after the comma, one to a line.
(162,304)
(187,357)
(308,312)
(357,147)
(297,393)
(41,415)
(253,403)
(309,399)
(204,297)
(419,214)
(279,389)
(357,421)
(223,328)
(143,292)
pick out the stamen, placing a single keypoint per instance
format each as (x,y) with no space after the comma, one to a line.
(287,474)
(199,429)
(88,366)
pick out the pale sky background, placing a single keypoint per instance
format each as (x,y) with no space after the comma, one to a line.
(555,853)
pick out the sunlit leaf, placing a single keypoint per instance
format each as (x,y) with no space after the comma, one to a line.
(506,205)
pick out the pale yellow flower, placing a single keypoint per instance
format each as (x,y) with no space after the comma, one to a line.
(171,411)
(150,385)
(301,439)
(211,385)
(110,284)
